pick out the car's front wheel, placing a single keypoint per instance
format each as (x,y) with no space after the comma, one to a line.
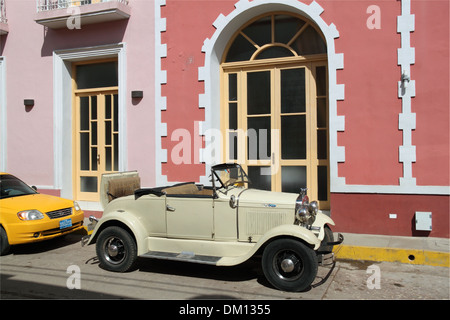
(116,249)
(289,265)
(4,244)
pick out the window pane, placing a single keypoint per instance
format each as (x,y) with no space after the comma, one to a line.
(286,27)
(94,133)
(88,184)
(322,144)
(108,133)
(258,92)
(232,145)
(97,75)
(309,42)
(293,137)
(322,113)
(232,116)
(108,106)
(260,31)
(293,98)
(322,183)
(321,81)
(84,113)
(260,178)
(84,151)
(240,50)
(274,52)
(108,155)
(94,158)
(116,152)
(258,132)
(93,107)
(116,112)
(232,87)
(293,178)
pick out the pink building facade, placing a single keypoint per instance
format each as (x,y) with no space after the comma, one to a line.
(347,98)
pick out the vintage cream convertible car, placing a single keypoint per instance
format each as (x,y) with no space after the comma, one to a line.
(223,225)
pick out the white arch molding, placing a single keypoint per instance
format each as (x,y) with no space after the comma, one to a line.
(213,48)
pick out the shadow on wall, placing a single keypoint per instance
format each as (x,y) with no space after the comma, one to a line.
(88,35)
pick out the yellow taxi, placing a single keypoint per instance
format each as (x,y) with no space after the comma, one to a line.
(28,216)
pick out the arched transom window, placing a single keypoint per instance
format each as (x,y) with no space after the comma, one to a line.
(274,104)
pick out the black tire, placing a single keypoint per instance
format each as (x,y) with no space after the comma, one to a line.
(4,244)
(289,265)
(324,248)
(116,249)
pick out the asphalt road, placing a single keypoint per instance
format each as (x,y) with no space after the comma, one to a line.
(62,269)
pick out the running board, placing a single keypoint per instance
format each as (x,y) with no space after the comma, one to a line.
(186,256)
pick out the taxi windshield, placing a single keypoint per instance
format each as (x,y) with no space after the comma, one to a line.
(10,186)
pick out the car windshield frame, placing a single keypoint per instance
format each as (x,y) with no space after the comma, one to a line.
(11,186)
(229,174)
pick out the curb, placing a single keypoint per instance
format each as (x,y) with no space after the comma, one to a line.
(408,256)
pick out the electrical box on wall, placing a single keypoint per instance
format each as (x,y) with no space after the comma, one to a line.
(423,221)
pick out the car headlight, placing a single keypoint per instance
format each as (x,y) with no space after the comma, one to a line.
(302,215)
(313,207)
(76,206)
(30,215)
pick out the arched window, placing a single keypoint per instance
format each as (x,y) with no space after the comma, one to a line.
(274,102)
(275,36)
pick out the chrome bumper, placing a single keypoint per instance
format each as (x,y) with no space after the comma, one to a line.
(327,259)
(85,240)
(90,227)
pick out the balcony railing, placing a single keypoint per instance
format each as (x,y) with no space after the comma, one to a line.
(3,12)
(3,20)
(56,14)
(46,5)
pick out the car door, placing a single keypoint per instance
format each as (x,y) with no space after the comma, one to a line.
(189,217)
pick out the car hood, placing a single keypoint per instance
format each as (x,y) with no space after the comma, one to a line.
(268,199)
(41,202)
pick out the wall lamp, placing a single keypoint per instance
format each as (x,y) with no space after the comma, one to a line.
(137,94)
(405,79)
(28,102)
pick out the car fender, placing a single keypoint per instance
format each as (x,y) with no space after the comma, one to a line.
(291,231)
(321,221)
(120,218)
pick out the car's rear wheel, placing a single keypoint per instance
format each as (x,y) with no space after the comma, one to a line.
(4,244)
(289,265)
(116,249)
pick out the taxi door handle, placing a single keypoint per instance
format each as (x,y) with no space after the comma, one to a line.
(169,208)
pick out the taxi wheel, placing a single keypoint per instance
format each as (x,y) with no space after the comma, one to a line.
(116,249)
(4,244)
(289,265)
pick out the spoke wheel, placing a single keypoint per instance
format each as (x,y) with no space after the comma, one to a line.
(289,265)
(116,249)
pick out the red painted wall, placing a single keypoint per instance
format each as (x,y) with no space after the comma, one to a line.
(371,105)
(431,104)
(188,24)
(369,213)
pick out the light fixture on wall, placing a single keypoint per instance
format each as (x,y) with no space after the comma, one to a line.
(405,79)
(28,102)
(137,94)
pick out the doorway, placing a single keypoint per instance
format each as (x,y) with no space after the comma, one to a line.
(96,126)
